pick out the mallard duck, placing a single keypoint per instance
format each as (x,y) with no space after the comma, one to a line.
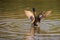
(35,19)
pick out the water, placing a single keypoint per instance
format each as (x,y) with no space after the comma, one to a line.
(16,29)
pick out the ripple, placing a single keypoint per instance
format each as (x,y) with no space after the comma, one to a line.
(13,29)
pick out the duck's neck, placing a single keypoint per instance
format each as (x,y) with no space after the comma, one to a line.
(34,11)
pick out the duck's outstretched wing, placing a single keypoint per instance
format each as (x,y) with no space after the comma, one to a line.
(43,15)
(30,15)
(46,14)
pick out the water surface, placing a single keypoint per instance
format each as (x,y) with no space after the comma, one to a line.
(16,29)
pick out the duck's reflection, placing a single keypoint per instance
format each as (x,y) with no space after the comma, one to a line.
(33,31)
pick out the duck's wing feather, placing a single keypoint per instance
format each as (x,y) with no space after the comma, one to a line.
(43,15)
(47,13)
(30,15)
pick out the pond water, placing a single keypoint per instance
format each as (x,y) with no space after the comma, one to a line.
(16,29)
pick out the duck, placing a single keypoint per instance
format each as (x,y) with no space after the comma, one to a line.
(35,19)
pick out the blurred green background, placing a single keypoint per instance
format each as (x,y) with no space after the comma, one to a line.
(15,8)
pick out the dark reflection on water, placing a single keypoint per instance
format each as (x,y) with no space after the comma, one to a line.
(16,29)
